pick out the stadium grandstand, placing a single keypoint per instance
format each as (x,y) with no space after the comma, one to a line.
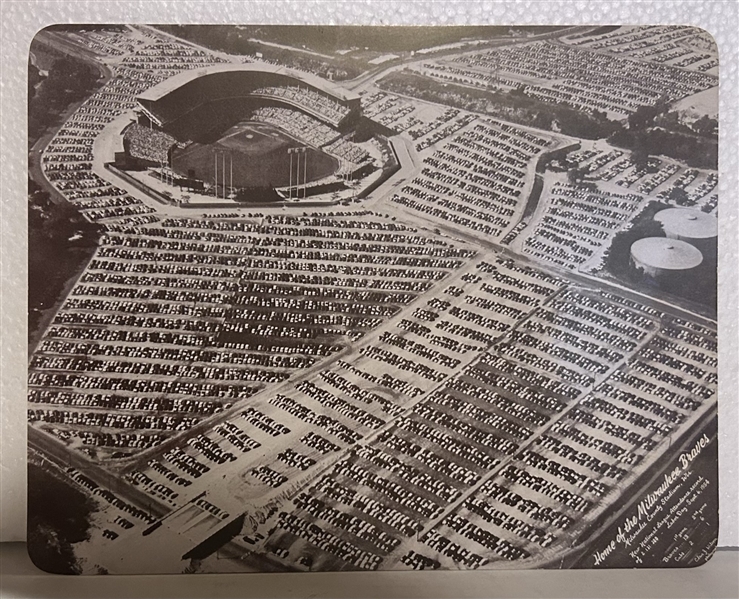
(149,146)
(164,104)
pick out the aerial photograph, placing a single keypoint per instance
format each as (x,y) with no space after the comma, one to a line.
(325,298)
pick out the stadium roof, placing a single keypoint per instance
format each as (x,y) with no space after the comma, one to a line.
(687,222)
(666,254)
(165,87)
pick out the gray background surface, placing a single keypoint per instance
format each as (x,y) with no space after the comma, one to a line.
(21,19)
(718,579)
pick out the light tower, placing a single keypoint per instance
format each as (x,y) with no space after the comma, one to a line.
(223,158)
(227,188)
(304,152)
(298,151)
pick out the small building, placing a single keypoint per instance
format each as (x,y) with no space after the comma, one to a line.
(664,261)
(691,226)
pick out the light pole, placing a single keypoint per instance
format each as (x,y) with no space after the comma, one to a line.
(298,152)
(303,150)
(305,170)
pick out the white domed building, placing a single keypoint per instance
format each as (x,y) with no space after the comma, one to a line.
(664,260)
(691,226)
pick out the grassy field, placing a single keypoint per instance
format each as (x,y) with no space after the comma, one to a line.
(259,155)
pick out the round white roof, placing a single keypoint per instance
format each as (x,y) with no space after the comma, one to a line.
(688,223)
(667,254)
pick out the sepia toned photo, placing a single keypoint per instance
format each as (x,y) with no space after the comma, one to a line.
(308,298)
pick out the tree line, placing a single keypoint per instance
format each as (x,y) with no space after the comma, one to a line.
(69,80)
(650,130)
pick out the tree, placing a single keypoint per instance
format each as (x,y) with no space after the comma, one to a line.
(58,517)
(644,116)
(640,157)
(518,91)
(706,127)
(679,196)
(575,175)
(543,121)
(696,151)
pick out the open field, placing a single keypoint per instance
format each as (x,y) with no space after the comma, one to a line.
(256,154)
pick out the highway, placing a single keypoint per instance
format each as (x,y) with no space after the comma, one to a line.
(380,71)
(65,458)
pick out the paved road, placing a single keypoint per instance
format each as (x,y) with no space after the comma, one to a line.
(664,305)
(66,458)
(378,72)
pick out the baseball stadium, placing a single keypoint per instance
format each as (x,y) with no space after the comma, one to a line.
(250,126)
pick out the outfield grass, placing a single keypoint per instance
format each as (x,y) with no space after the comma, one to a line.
(259,155)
